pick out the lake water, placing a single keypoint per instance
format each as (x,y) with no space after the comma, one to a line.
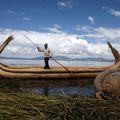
(60,91)
(52,63)
(59,87)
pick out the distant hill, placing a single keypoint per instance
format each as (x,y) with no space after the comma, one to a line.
(15,58)
(94,59)
(62,58)
(36,58)
(56,57)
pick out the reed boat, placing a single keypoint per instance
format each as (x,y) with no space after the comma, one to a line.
(7,41)
(38,72)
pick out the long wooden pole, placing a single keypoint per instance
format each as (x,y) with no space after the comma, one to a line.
(72,74)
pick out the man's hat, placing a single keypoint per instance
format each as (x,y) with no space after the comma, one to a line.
(45,44)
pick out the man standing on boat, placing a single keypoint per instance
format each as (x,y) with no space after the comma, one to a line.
(47,55)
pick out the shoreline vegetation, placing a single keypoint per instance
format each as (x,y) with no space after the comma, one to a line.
(30,106)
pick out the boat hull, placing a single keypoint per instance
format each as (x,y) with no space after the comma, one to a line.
(37,72)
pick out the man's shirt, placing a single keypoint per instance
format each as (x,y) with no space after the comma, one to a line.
(47,52)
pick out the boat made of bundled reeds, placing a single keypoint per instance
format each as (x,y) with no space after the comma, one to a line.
(54,72)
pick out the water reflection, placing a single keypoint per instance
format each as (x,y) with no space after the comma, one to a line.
(60,91)
(83,87)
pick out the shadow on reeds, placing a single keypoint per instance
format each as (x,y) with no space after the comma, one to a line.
(17,83)
(10,84)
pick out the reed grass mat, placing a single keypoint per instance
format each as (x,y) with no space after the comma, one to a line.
(16,105)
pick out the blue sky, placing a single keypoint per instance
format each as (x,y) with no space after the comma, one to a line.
(91,21)
(37,14)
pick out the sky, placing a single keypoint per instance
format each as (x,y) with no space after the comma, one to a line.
(75,28)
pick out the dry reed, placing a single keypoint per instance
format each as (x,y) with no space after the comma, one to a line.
(30,106)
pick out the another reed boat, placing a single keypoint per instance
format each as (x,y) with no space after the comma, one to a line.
(37,72)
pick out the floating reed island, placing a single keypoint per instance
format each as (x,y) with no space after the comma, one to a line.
(38,72)
(29,106)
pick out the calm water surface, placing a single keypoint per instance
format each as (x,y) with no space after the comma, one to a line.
(52,63)
(59,91)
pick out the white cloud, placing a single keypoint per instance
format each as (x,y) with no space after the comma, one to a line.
(57,26)
(65,4)
(77,28)
(105,8)
(83,28)
(91,19)
(104,34)
(61,4)
(60,43)
(11,12)
(26,19)
(55,29)
(114,12)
